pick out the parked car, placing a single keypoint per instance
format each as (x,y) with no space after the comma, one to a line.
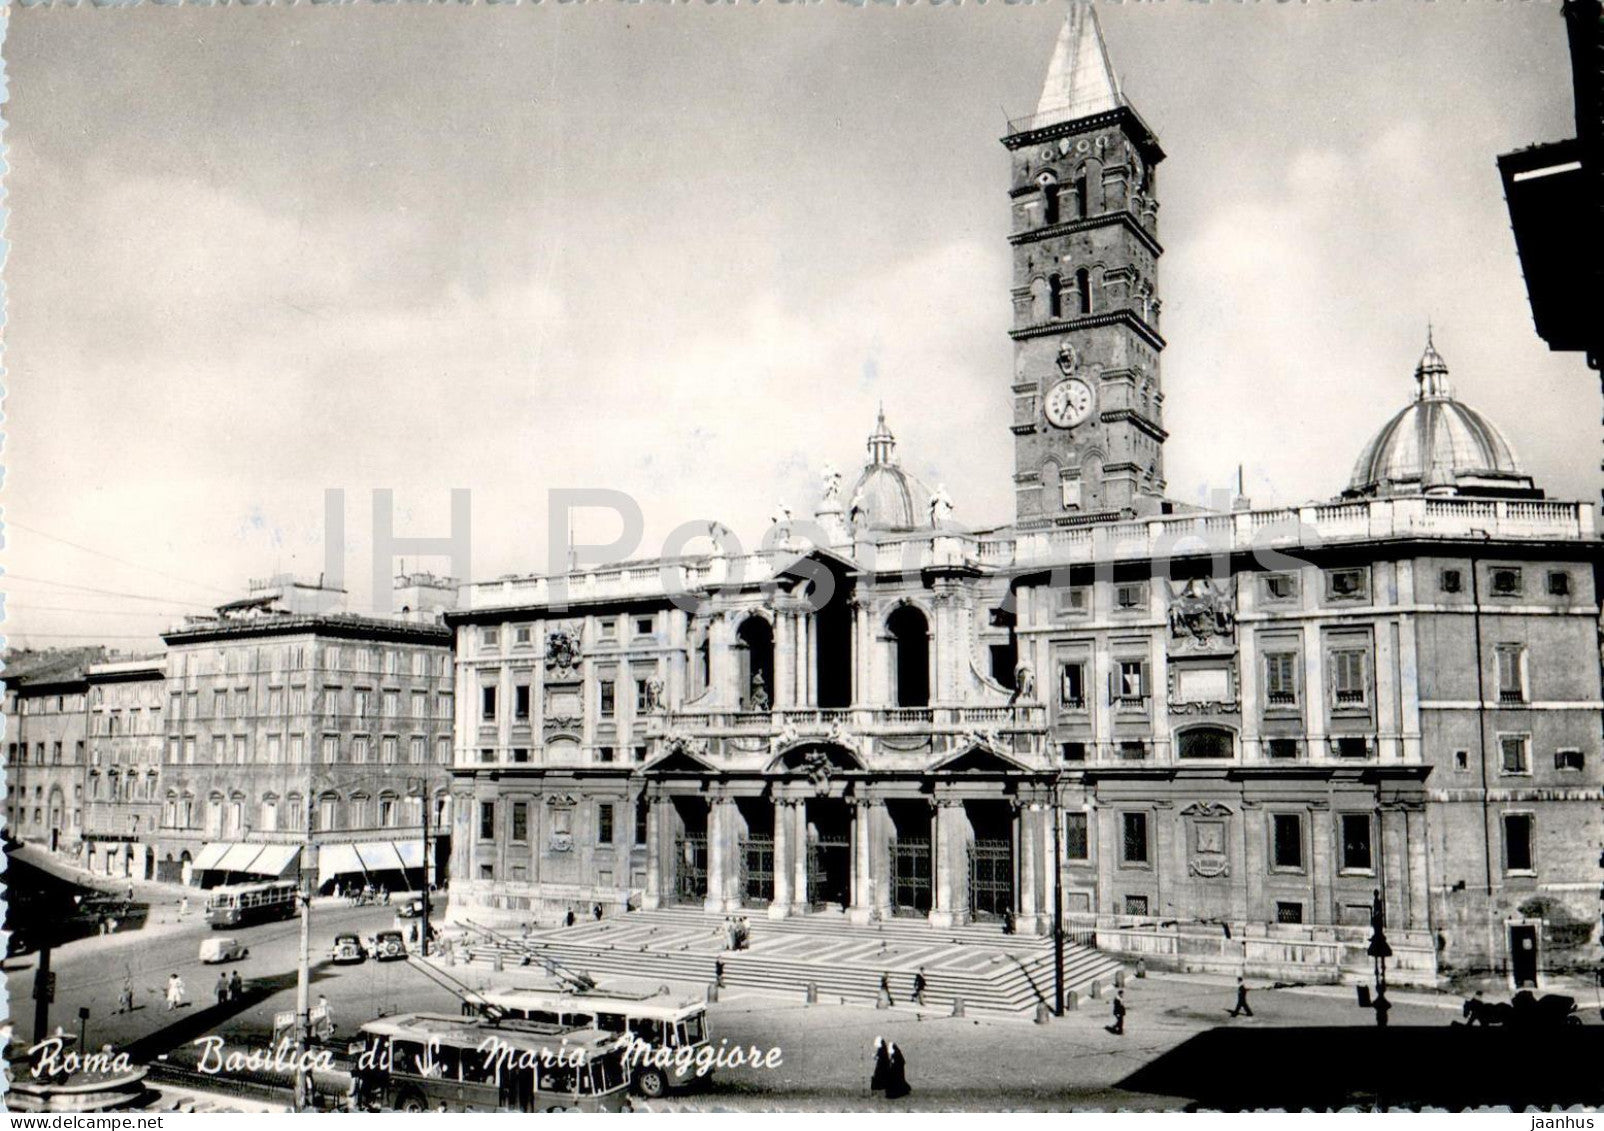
(412,908)
(347,948)
(389,945)
(223,948)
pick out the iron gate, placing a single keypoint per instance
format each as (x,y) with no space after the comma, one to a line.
(830,871)
(910,872)
(757,869)
(991,877)
(690,853)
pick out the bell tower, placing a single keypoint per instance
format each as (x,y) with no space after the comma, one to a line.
(1088,402)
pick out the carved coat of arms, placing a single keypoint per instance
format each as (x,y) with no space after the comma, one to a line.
(562,648)
(1202,612)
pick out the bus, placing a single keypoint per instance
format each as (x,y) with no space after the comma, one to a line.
(444,1062)
(652,1014)
(240,905)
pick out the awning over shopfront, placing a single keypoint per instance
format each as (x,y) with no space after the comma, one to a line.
(277,859)
(207,858)
(335,860)
(379,856)
(411,853)
(238,858)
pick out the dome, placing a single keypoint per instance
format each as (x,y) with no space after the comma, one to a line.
(885,497)
(1437,445)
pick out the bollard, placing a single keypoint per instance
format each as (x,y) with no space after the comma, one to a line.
(712,991)
(1096,991)
(1072,1000)
(957,1007)
(1042,1013)
(1141,967)
(813,993)
(1119,979)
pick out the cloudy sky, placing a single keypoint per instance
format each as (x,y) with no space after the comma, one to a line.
(683,252)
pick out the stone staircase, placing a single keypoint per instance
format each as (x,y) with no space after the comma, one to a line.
(985,969)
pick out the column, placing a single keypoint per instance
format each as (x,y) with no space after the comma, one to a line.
(723,871)
(799,841)
(1415,834)
(784,690)
(652,897)
(1026,839)
(784,851)
(952,865)
(862,882)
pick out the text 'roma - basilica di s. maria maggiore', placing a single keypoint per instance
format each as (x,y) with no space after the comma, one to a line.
(1263,726)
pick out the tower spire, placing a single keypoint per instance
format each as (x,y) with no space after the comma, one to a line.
(1080,80)
(881,442)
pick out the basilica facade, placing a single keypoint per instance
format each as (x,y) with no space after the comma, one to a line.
(1216,739)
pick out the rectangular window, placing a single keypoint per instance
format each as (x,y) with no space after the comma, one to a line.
(643,699)
(490,636)
(361,704)
(609,698)
(1072,601)
(1280,586)
(1350,681)
(1132,750)
(1506,582)
(1133,842)
(487,871)
(331,749)
(1351,746)
(604,824)
(1286,848)
(420,704)
(520,822)
(1130,596)
(1072,687)
(1518,842)
(640,753)
(520,702)
(1074,752)
(392,703)
(607,627)
(1559,583)
(1284,749)
(1515,751)
(1132,685)
(1450,581)
(1511,660)
(521,634)
(487,820)
(487,756)
(1461,759)
(1347,584)
(1568,760)
(1356,842)
(520,753)
(1136,905)
(387,750)
(1281,679)
(487,703)
(1288,912)
(297,749)
(641,812)
(645,626)
(219,750)
(1076,845)
(604,754)
(415,749)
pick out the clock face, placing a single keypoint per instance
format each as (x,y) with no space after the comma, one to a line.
(1069,402)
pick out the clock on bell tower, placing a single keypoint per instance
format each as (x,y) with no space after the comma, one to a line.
(1088,402)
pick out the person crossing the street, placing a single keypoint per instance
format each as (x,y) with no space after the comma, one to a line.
(1241,1005)
(1118,1027)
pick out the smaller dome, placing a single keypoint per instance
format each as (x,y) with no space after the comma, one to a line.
(885,497)
(1437,445)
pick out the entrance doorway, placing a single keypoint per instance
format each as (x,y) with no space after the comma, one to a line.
(829,853)
(910,858)
(757,852)
(991,859)
(690,850)
(1523,954)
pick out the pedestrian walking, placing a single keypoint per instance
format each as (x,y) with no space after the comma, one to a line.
(568,919)
(1008,921)
(183,907)
(1241,1005)
(919,985)
(885,990)
(1381,1006)
(175,992)
(222,988)
(718,972)
(1118,1027)
(236,986)
(882,1066)
(596,912)
(897,1074)
(327,1010)
(125,1000)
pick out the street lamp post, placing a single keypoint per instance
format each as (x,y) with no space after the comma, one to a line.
(423,794)
(1058,902)
(303,976)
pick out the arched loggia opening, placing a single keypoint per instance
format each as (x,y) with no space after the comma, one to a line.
(910,646)
(755,655)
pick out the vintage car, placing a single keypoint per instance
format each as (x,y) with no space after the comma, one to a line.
(347,948)
(412,908)
(389,945)
(224,948)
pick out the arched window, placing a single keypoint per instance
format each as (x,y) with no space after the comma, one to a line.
(1082,203)
(755,654)
(910,645)
(1049,200)
(388,814)
(1205,742)
(270,813)
(1083,286)
(1055,295)
(328,811)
